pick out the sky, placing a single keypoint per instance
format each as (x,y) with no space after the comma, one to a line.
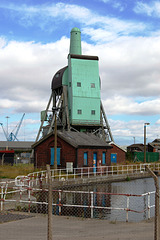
(124,34)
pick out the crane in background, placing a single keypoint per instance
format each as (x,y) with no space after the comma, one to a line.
(13,136)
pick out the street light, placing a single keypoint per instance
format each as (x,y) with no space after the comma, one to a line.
(7,133)
(145,124)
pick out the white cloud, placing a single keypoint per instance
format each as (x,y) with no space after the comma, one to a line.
(45,16)
(150,9)
(128,131)
(119,6)
(118,105)
(26,71)
(129,71)
(129,66)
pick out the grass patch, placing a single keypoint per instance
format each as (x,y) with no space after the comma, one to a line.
(128,179)
(8,171)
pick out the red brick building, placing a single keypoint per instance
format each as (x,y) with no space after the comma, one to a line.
(116,154)
(81,149)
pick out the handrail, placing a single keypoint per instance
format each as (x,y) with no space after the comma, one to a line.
(91,205)
(88,172)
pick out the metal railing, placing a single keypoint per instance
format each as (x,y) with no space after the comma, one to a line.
(90,172)
(65,202)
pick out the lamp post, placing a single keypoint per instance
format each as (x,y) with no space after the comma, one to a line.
(145,124)
(7,133)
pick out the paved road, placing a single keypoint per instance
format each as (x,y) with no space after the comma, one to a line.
(71,228)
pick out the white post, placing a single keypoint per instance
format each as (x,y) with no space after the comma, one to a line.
(127,208)
(92,204)
(149,216)
(60,198)
(74,173)
(2,198)
(59,174)
(67,173)
(29,195)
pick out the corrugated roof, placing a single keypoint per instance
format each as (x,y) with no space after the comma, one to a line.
(82,139)
(79,139)
(123,148)
(16,144)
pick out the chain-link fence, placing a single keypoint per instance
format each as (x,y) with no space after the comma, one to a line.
(110,202)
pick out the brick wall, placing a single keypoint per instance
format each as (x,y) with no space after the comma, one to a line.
(42,153)
(68,153)
(80,156)
(121,155)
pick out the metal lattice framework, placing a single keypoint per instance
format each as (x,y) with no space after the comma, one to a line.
(58,104)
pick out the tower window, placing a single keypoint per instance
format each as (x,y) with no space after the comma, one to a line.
(79,111)
(92,85)
(93,112)
(69,84)
(78,84)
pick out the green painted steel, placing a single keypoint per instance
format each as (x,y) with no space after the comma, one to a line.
(75,41)
(65,77)
(150,156)
(84,92)
(43,118)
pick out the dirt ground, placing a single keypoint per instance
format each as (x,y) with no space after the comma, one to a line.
(34,227)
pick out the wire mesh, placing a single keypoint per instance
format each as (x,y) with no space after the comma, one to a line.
(111,202)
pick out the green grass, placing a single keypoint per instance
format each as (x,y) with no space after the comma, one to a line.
(8,171)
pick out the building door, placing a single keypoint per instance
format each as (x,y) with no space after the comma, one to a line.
(58,156)
(85,159)
(113,157)
(94,162)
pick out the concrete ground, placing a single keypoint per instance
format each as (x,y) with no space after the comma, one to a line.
(71,228)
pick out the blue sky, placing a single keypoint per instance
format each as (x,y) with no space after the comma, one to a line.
(125,34)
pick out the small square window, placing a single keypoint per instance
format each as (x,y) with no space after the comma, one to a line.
(78,84)
(92,85)
(79,111)
(93,112)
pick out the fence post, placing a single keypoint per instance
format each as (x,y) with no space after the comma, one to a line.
(74,173)
(49,204)
(2,198)
(156,182)
(60,199)
(29,196)
(149,215)
(91,204)
(127,209)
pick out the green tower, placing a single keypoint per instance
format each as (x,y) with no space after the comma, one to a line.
(75,97)
(75,41)
(83,86)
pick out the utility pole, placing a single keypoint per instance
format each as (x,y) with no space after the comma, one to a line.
(145,124)
(7,133)
(55,142)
